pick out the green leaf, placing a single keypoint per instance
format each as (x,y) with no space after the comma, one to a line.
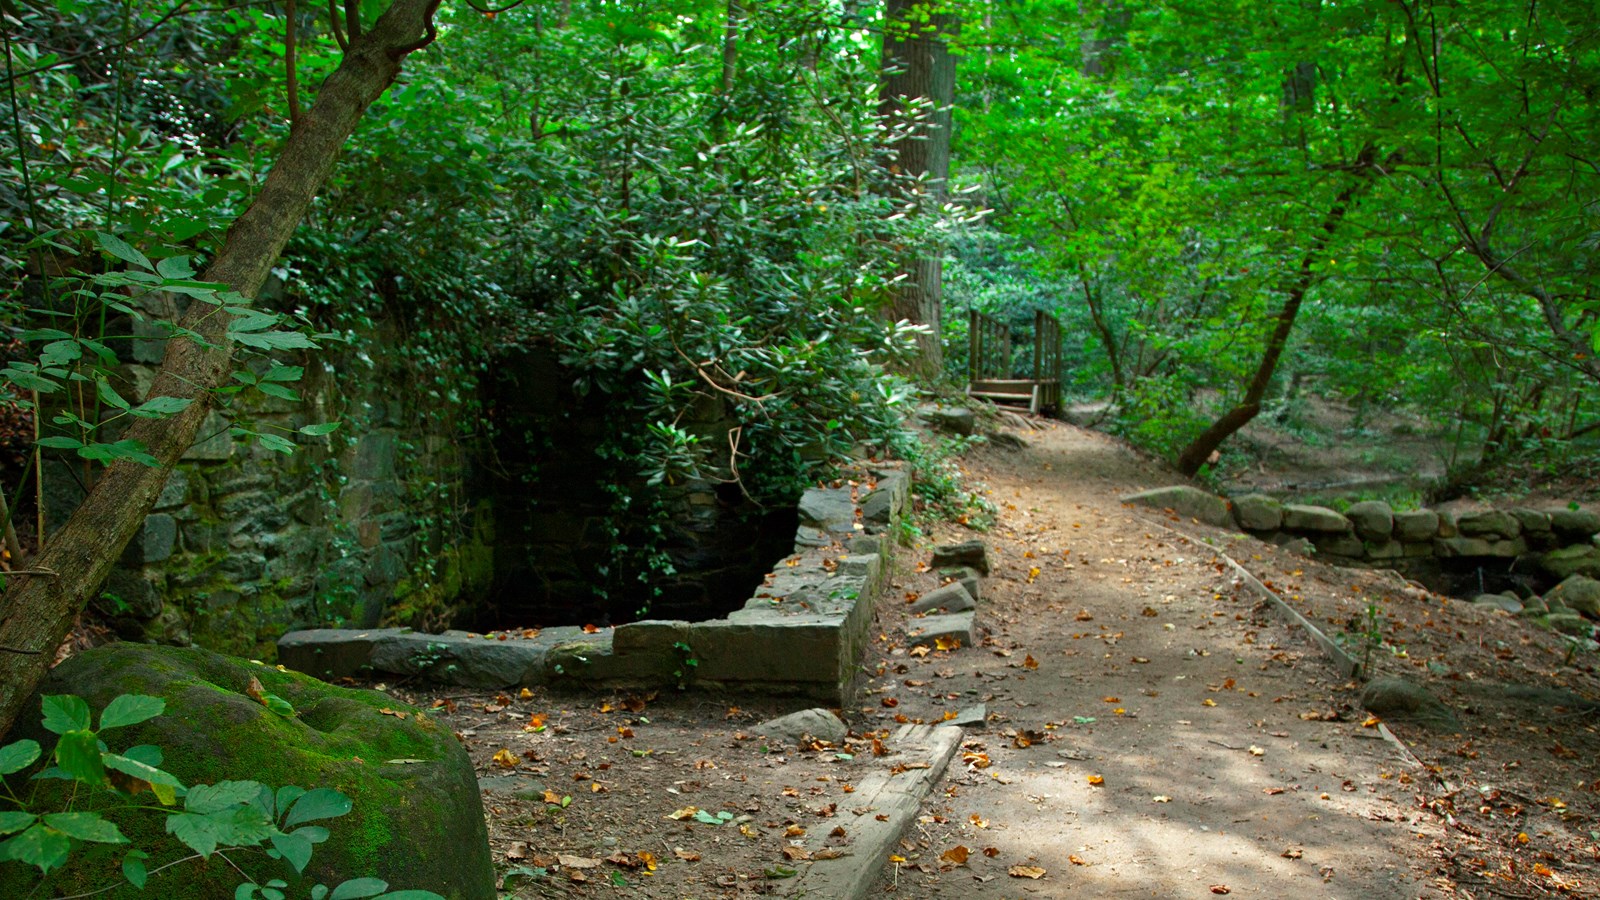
(238,826)
(175,267)
(60,442)
(317,430)
(123,449)
(64,713)
(122,250)
(279,705)
(295,848)
(246,891)
(276,443)
(131,709)
(322,803)
(284,373)
(409,895)
(156,407)
(286,795)
(15,821)
(149,754)
(133,868)
(85,826)
(18,755)
(38,846)
(210,798)
(273,340)
(109,395)
(277,390)
(357,888)
(78,754)
(140,770)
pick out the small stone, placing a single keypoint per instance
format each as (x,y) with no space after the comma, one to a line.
(958,628)
(950,598)
(971,554)
(1320,519)
(1488,523)
(1579,594)
(1499,601)
(1579,559)
(1575,524)
(1258,512)
(955,420)
(1407,701)
(1373,520)
(795,727)
(1186,501)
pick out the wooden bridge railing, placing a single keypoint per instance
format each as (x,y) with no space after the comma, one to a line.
(991,372)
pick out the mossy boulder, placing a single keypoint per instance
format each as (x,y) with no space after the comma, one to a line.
(417,821)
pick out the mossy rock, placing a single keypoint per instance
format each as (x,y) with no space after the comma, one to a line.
(417,821)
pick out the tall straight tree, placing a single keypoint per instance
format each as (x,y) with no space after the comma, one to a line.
(917,90)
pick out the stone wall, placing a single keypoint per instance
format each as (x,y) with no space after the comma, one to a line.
(371,523)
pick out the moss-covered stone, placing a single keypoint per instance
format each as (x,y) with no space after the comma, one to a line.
(418,817)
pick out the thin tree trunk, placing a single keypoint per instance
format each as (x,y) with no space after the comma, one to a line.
(1199,451)
(37,611)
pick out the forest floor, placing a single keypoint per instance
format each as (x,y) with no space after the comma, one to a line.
(1152,730)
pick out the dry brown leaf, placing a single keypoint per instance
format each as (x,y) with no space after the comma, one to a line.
(1221,889)
(956,856)
(685,855)
(505,759)
(796,854)
(1096,781)
(569,861)
(1075,859)
(1033,872)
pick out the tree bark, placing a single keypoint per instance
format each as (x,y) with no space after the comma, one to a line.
(917,69)
(1249,406)
(37,611)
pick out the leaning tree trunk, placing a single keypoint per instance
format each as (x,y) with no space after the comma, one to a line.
(1199,451)
(37,611)
(917,66)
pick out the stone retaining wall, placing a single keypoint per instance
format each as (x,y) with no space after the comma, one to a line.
(802,632)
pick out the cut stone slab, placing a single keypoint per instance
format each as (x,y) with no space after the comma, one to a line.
(795,727)
(1346,545)
(1258,512)
(967,578)
(1453,547)
(1416,525)
(970,554)
(881,809)
(975,716)
(1407,701)
(1533,521)
(828,509)
(1187,501)
(1579,594)
(952,420)
(1499,601)
(1373,519)
(1316,519)
(950,598)
(927,631)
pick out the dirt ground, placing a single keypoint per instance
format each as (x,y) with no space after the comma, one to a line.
(1151,730)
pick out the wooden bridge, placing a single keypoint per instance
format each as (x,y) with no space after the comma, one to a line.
(992,370)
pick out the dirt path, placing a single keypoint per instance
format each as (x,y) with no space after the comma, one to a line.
(1152,729)
(1159,748)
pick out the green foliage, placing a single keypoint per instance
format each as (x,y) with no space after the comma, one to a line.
(939,488)
(209,819)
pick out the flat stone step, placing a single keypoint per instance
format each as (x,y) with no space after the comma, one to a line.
(927,631)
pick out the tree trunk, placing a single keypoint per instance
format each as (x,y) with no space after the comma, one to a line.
(1199,451)
(918,69)
(37,611)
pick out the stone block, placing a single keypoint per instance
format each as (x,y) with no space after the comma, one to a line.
(1418,549)
(1570,624)
(954,420)
(1579,559)
(1416,525)
(1490,523)
(1373,520)
(649,635)
(215,442)
(1504,602)
(961,627)
(1186,501)
(1258,512)
(1579,594)
(828,509)
(1388,549)
(764,647)
(967,578)
(175,492)
(795,727)
(330,653)
(1314,520)
(1575,524)
(1533,521)
(950,598)
(970,554)
(1457,547)
(1346,545)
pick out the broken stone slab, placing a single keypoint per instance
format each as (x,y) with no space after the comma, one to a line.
(1499,601)
(1533,521)
(970,554)
(1187,501)
(1258,512)
(967,578)
(975,716)
(796,727)
(1416,525)
(1315,519)
(950,598)
(888,500)
(1373,520)
(456,657)
(1407,701)
(330,653)
(954,420)
(928,630)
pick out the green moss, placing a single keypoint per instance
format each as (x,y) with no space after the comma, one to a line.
(465,571)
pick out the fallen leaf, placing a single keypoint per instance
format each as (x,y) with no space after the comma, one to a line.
(1028,662)
(1208,702)
(830,853)
(1033,872)
(1076,860)
(505,759)
(956,856)
(1096,780)
(796,854)
(1221,889)
(1292,853)
(525,694)
(991,852)
(1162,798)
(685,855)
(680,814)
(1111,699)
(947,643)
(517,851)
(576,862)
(1256,751)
